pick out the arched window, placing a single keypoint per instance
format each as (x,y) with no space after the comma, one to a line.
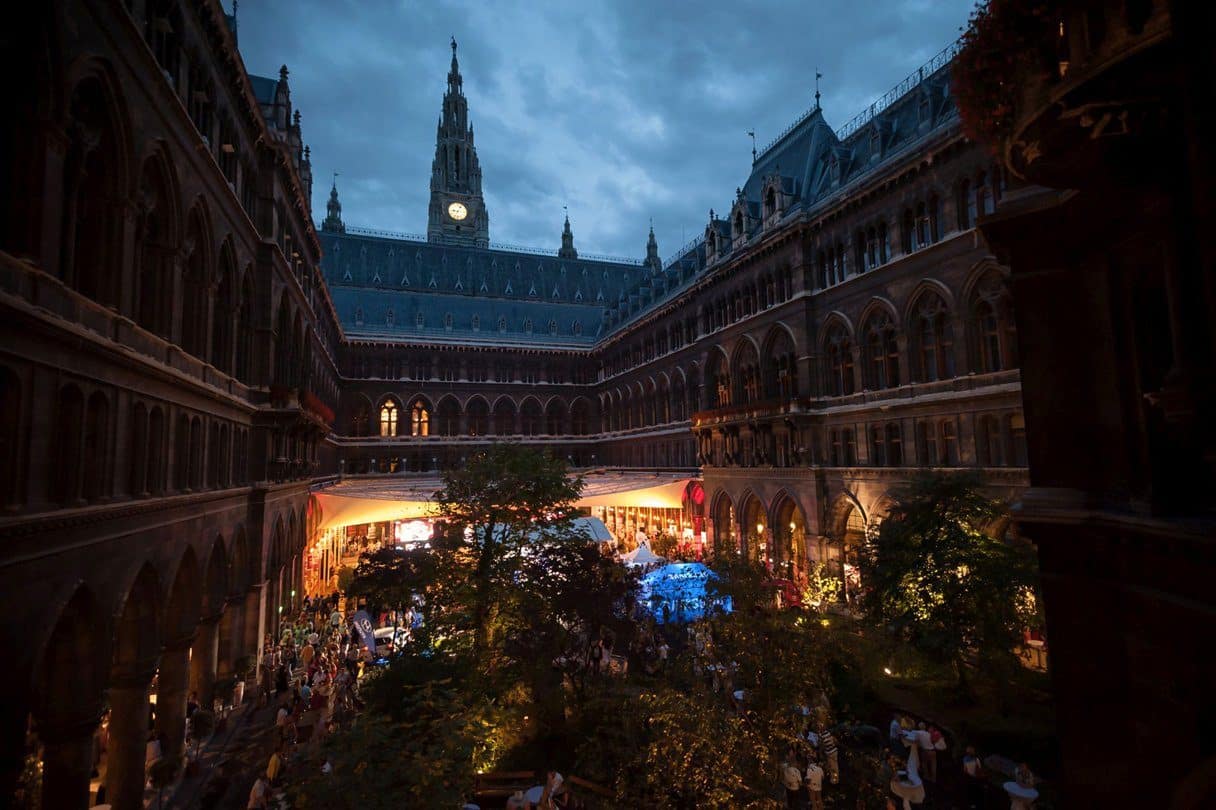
(95,464)
(882,353)
(580,418)
(839,350)
(478,415)
(934,339)
(895,446)
(1015,429)
(65,472)
(949,443)
(926,444)
(447,418)
(983,191)
(878,446)
(155,480)
(138,450)
(989,449)
(420,420)
(388,419)
(966,206)
(504,418)
(994,341)
(908,231)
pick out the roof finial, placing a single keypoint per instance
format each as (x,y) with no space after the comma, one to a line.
(818,76)
(335,181)
(453,45)
(752,133)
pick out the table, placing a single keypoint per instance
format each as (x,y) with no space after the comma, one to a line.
(1019,795)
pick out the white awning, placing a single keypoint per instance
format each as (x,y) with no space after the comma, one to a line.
(373,500)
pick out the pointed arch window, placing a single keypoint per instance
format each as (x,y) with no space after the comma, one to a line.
(388,419)
(882,353)
(934,338)
(840,363)
(420,420)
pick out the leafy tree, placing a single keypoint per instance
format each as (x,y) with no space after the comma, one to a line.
(500,505)
(939,581)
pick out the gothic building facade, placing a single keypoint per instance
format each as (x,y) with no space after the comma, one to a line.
(185,355)
(167,371)
(844,325)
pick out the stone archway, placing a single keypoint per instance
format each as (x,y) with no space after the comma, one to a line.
(137,645)
(723,518)
(789,533)
(68,701)
(754,531)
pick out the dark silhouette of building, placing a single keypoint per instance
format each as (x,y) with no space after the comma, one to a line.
(1115,286)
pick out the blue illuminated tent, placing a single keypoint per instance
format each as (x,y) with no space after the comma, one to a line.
(681,592)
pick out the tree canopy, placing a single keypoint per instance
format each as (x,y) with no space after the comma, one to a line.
(935,576)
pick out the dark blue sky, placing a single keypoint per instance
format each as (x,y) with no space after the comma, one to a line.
(622,111)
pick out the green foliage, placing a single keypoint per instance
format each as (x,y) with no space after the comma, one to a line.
(935,578)
(823,588)
(346,576)
(388,577)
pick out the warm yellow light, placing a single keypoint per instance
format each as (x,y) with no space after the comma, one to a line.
(759,528)
(887,670)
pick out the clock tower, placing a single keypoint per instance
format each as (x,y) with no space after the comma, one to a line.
(457,212)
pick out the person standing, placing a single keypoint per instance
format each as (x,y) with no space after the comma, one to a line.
(791,780)
(831,760)
(973,778)
(259,794)
(814,784)
(928,754)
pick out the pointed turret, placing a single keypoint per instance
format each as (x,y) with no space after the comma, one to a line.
(457,212)
(567,250)
(652,253)
(333,211)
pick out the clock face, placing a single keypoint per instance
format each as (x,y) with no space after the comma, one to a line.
(457,211)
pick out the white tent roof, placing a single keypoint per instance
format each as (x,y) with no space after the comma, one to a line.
(383,498)
(642,555)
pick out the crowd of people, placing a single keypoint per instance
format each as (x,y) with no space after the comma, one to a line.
(311,673)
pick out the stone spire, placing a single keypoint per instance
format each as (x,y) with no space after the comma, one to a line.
(567,250)
(333,211)
(652,253)
(457,212)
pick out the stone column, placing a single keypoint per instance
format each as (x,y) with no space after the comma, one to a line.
(67,762)
(125,775)
(254,621)
(171,695)
(204,660)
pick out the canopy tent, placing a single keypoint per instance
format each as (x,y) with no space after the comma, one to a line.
(373,500)
(642,555)
(681,592)
(647,491)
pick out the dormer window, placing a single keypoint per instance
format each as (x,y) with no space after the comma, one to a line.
(770,202)
(923,109)
(576,328)
(419,320)
(739,224)
(476,324)
(553,327)
(358,316)
(388,318)
(502,324)
(875,142)
(528,325)
(447,321)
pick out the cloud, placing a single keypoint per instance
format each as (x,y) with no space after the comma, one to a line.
(622,111)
